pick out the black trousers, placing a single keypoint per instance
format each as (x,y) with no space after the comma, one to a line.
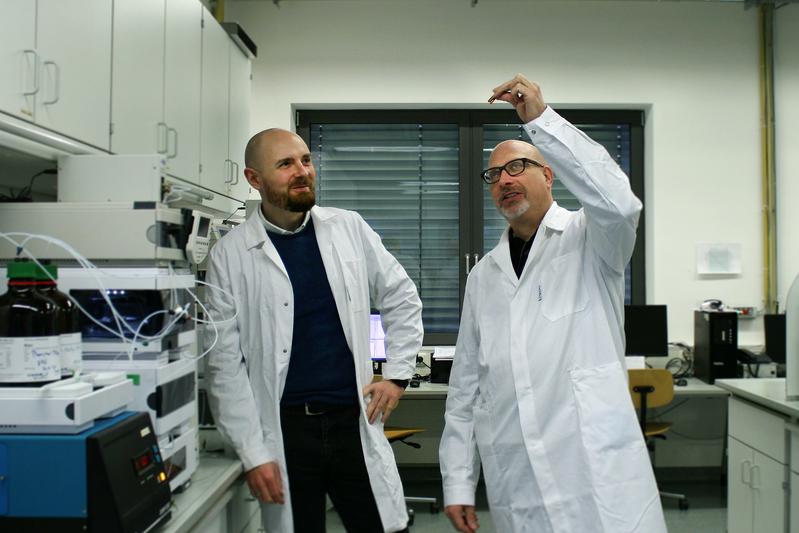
(324,456)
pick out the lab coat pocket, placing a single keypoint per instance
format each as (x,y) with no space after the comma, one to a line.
(562,290)
(618,462)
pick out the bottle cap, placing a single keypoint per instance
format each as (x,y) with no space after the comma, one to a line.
(22,269)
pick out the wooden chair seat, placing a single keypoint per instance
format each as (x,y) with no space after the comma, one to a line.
(653,429)
(395,434)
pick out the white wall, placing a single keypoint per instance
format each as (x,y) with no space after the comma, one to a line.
(692,65)
(786,87)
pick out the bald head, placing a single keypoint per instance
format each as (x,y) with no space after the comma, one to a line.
(259,143)
(516,148)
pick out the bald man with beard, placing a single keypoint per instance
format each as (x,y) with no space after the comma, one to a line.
(538,393)
(290,375)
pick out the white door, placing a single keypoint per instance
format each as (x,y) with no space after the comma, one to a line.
(18,60)
(216,169)
(239,119)
(182,87)
(794,503)
(740,460)
(768,494)
(74,43)
(137,92)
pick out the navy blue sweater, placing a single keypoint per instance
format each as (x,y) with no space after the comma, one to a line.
(321,368)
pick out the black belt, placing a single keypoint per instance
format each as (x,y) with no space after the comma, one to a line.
(317,409)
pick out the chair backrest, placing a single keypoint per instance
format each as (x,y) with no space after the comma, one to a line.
(661,382)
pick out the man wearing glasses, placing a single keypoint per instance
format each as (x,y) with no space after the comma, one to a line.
(538,391)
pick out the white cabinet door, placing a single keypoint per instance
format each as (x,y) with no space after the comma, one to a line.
(794,503)
(768,494)
(239,119)
(74,43)
(740,513)
(137,93)
(18,76)
(215,173)
(182,86)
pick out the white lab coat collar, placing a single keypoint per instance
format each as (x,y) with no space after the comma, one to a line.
(277,229)
(255,226)
(556,219)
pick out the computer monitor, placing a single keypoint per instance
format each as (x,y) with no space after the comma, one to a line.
(646,330)
(774,326)
(377,337)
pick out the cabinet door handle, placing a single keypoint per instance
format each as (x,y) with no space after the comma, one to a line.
(467,257)
(746,468)
(57,84)
(228,170)
(161,132)
(35,72)
(234,180)
(476,258)
(755,477)
(174,133)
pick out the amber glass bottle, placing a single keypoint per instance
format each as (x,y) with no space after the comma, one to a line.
(30,352)
(67,320)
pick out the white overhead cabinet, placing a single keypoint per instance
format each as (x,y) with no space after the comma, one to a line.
(239,120)
(225,116)
(137,112)
(18,61)
(215,170)
(56,65)
(183,76)
(156,86)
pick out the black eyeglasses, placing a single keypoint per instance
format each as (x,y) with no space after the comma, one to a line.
(514,167)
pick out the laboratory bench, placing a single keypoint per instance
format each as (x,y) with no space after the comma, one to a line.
(217,500)
(698,414)
(763,457)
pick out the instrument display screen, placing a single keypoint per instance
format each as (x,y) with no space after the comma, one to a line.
(143,461)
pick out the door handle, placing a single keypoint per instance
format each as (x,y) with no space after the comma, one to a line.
(57,84)
(161,133)
(746,468)
(476,258)
(228,171)
(235,179)
(174,133)
(35,72)
(755,475)
(467,257)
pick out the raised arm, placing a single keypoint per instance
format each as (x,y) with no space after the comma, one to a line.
(585,168)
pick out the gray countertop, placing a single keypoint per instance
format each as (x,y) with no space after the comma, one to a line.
(428,391)
(768,392)
(214,475)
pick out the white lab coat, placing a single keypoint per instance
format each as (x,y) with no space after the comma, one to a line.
(538,390)
(247,368)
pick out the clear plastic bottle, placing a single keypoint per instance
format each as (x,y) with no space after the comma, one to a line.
(30,351)
(67,318)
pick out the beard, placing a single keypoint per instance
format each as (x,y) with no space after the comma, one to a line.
(515,211)
(298,202)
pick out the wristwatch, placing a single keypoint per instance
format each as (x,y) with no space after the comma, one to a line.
(400,382)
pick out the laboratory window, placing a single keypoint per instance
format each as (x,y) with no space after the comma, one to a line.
(414,176)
